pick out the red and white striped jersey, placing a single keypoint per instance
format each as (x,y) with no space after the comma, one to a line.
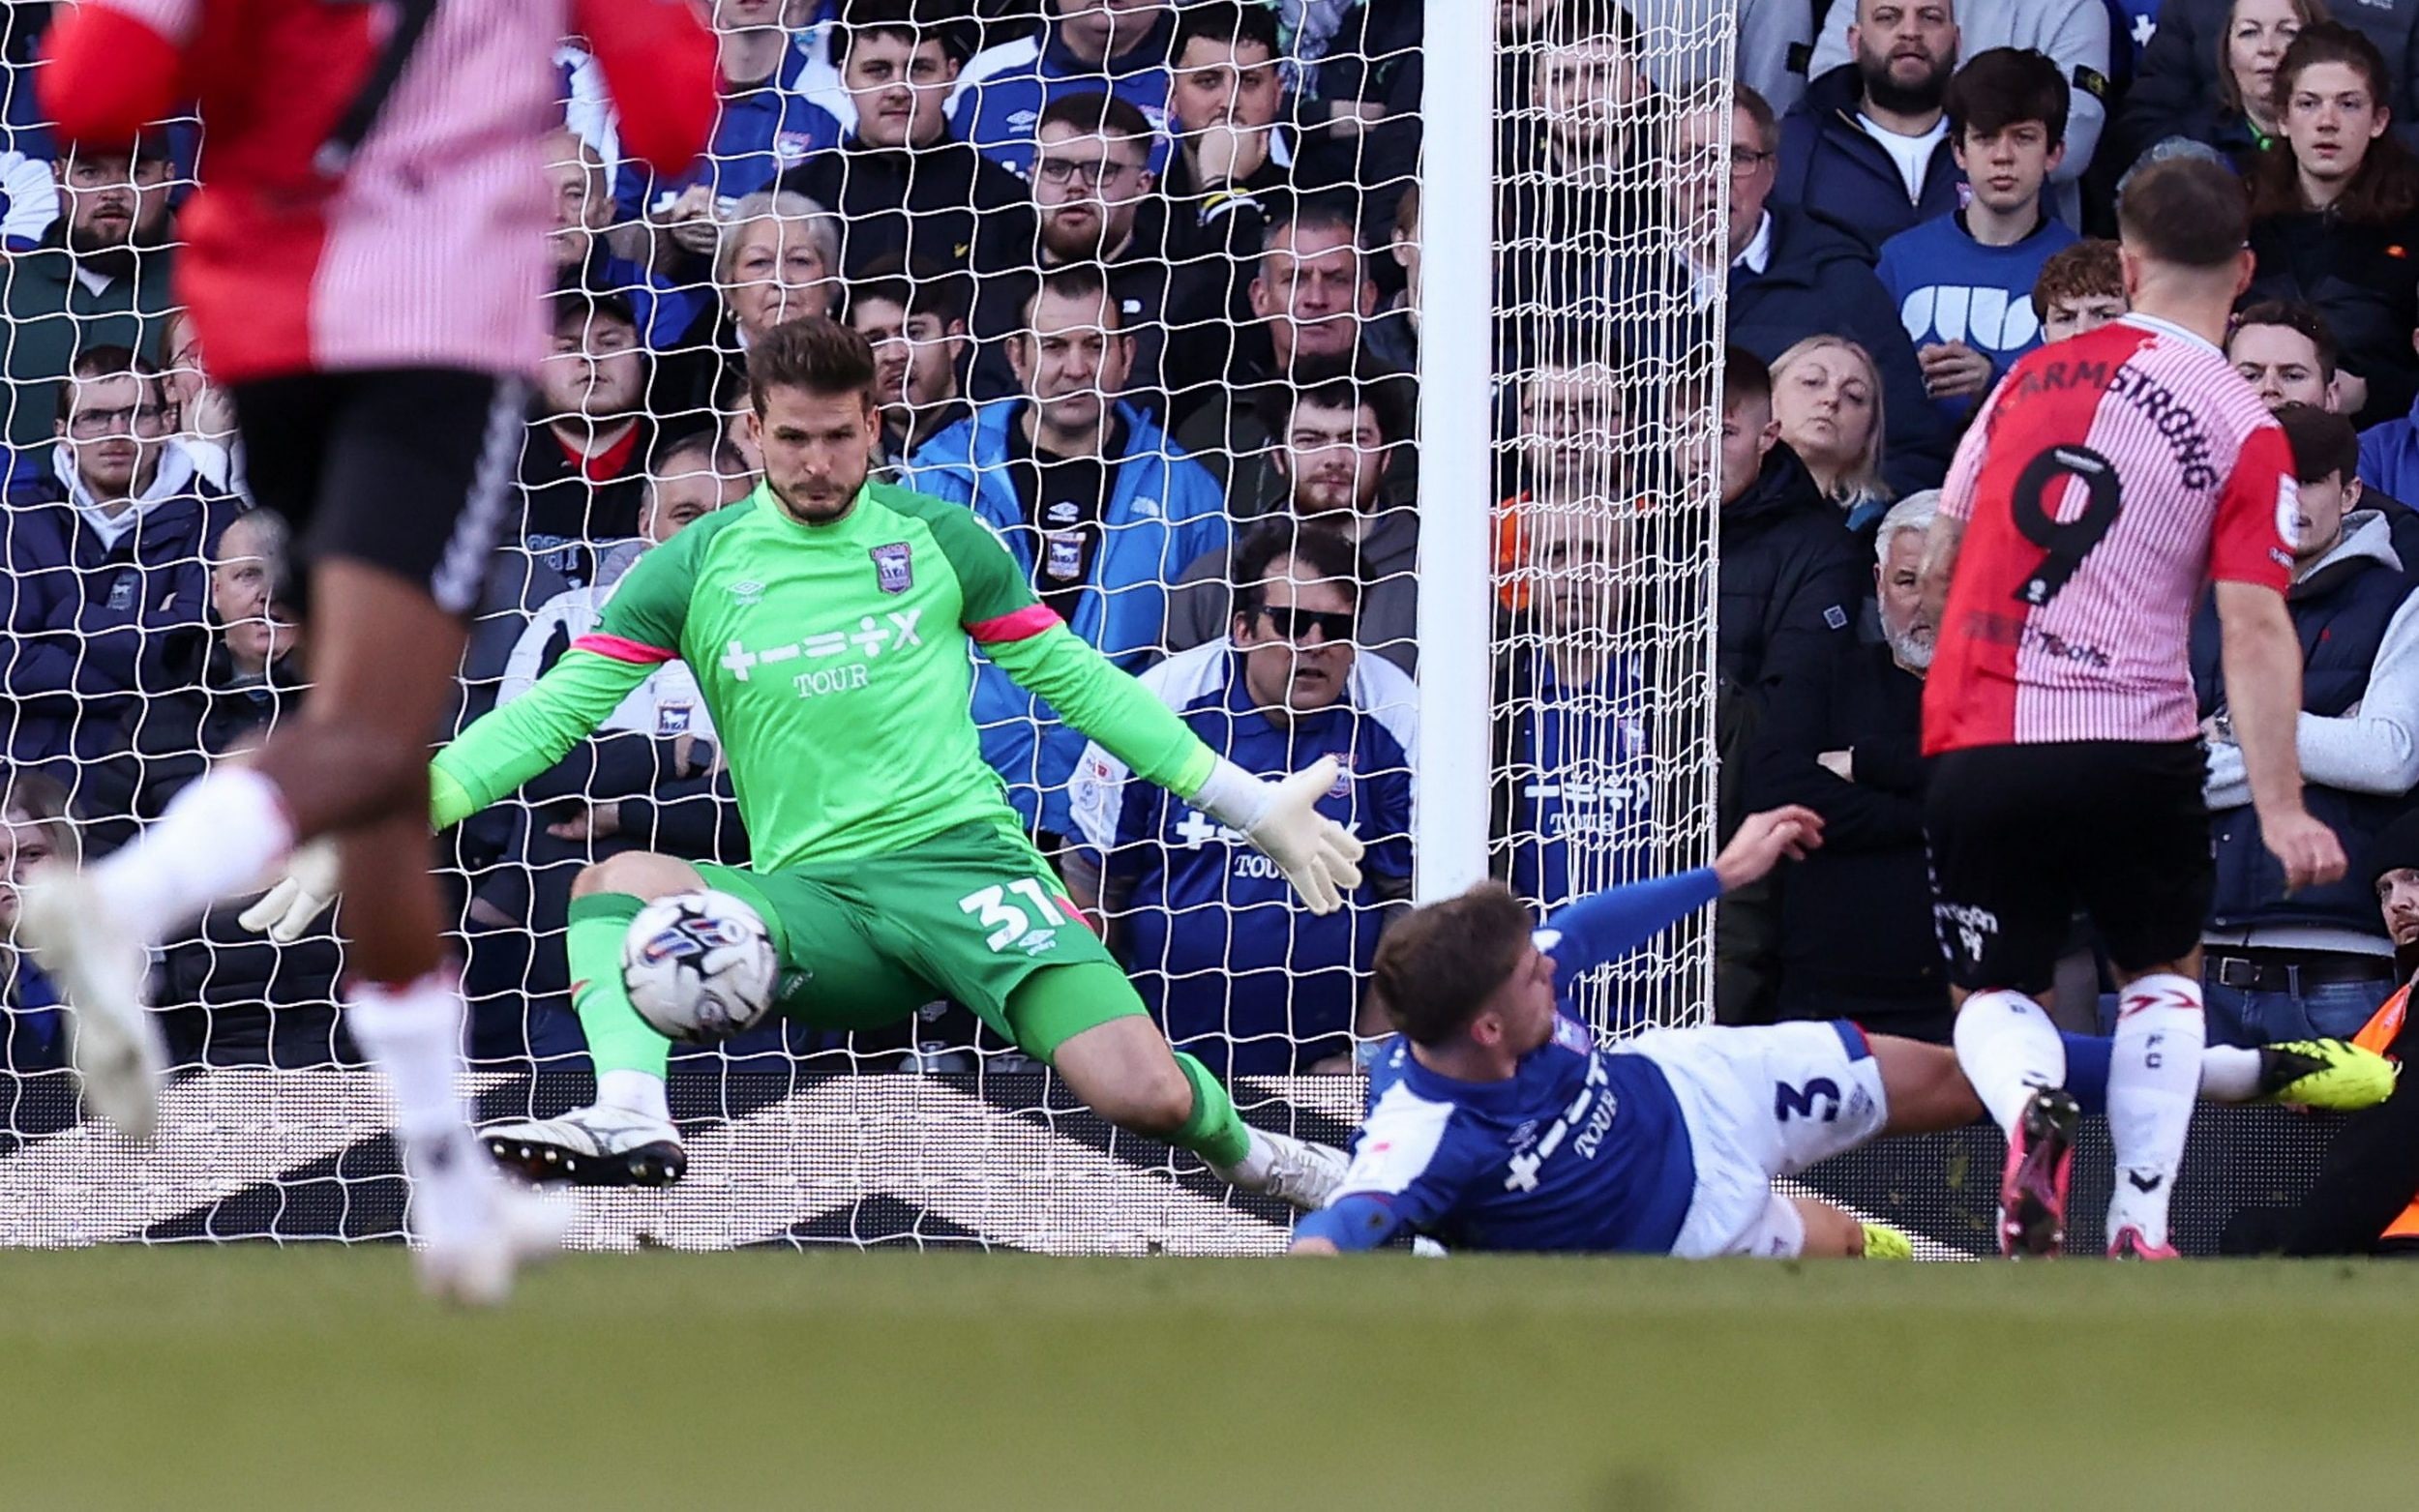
(2109,481)
(426,246)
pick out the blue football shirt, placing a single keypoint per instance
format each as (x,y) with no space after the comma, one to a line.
(1582,1149)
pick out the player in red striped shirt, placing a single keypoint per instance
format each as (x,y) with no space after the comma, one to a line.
(364,262)
(2109,480)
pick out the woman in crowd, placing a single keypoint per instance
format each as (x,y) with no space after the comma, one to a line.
(2236,114)
(34,829)
(2335,214)
(1827,395)
(778,257)
(206,413)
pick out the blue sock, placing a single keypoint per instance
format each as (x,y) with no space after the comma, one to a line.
(2087,1058)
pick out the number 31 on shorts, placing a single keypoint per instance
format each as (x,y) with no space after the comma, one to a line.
(1007,922)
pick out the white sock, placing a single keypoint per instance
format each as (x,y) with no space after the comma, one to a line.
(633,1091)
(2008,1047)
(2229,1073)
(2153,1076)
(223,835)
(413,1033)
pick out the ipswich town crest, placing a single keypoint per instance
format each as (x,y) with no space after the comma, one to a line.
(893,570)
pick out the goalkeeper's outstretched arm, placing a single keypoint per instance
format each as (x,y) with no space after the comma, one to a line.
(515,742)
(1105,702)
(501,750)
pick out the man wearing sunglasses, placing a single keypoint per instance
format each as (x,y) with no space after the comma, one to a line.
(1238,975)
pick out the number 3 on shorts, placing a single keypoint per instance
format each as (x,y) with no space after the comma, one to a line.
(1007,922)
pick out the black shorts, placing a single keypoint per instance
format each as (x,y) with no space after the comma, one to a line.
(408,470)
(2021,835)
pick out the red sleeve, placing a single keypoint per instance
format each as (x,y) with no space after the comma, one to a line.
(2252,539)
(107,75)
(661,69)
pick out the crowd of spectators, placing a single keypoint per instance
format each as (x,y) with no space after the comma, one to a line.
(1975,149)
(1143,281)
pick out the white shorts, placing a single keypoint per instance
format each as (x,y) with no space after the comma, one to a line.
(1761,1103)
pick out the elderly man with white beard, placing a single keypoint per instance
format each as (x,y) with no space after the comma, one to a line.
(1841,737)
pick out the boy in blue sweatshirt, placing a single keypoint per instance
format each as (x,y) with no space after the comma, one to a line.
(1963,281)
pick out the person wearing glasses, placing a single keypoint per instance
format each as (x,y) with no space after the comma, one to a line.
(1237,973)
(1095,201)
(1791,275)
(101,275)
(1963,279)
(109,553)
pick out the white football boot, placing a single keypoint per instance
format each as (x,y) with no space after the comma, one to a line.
(595,1147)
(471,1263)
(99,966)
(1290,1169)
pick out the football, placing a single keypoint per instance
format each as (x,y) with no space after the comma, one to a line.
(700,966)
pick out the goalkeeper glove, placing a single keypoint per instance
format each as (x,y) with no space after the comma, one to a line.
(1282,822)
(309,884)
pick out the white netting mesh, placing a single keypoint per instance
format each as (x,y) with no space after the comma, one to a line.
(1603,752)
(1155,311)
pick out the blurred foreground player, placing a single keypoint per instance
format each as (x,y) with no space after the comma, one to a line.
(364,264)
(1496,1122)
(2109,481)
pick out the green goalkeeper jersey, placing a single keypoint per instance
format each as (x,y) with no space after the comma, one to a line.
(834,661)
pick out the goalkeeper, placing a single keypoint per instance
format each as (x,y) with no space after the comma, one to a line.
(827,621)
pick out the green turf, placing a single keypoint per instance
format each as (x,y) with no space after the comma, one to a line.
(258,1378)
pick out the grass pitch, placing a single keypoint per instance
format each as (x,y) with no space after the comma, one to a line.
(257,1377)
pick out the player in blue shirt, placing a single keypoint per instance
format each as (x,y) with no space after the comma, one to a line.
(1497,1121)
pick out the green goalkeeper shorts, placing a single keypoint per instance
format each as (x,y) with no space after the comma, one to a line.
(967,914)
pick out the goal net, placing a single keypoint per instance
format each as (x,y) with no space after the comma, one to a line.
(1197,307)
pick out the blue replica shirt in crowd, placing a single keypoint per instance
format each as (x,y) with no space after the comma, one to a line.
(32,1036)
(1000,98)
(1950,288)
(2132,24)
(1582,1149)
(1240,973)
(760,130)
(1582,773)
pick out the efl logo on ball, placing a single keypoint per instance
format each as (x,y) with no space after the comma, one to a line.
(700,966)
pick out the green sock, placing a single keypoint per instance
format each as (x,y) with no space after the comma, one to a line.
(618,1039)
(1215,1131)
